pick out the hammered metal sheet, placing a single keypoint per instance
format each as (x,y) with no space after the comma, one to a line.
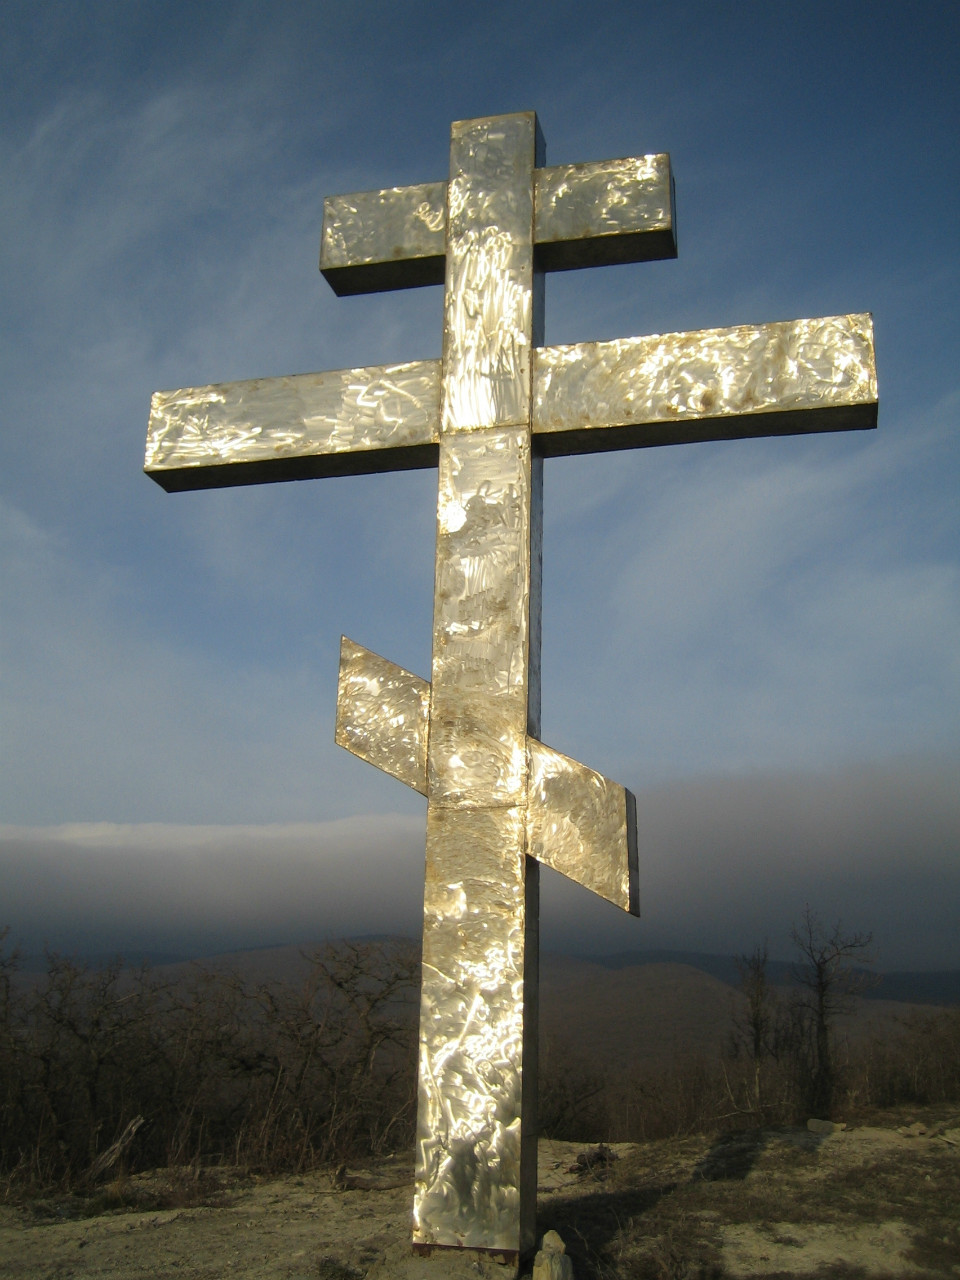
(476,1170)
(793,376)
(606,212)
(478,711)
(384,239)
(310,424)
(471,1030)
(488,298)
(585,215)
(383,714)
(582,825)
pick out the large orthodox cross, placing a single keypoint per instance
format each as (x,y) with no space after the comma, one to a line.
(499,801)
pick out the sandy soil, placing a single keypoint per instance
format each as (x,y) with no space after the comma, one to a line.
(879,1248)
(305,1228)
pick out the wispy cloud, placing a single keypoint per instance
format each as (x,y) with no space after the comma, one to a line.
(760,601)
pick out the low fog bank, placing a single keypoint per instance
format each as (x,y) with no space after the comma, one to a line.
(167,890)
(725,863)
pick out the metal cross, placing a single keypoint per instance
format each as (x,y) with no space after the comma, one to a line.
(486,414)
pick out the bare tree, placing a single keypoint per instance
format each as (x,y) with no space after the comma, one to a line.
(759,1028)
(828,981)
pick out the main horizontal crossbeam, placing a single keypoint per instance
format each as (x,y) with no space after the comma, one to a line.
(790,378)
(346,422)
(715,384)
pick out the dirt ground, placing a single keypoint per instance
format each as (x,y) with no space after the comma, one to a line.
(871,1201)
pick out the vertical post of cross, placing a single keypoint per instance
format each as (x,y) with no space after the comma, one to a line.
(476,1138)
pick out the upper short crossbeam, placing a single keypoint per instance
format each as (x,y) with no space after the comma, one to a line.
(613,211)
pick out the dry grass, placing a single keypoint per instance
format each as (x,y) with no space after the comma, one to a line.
(183,1187)
(777,1203)
(670,1210)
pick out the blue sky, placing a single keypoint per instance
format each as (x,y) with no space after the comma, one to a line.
(760,638)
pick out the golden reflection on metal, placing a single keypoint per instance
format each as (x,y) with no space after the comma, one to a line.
(384,239)
(500,802)
(583,825)
(614,211)
(476,1138)
(382,714)
(311,424)
(584,215)
(714,384)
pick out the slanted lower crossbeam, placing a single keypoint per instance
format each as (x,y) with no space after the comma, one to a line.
(577,822)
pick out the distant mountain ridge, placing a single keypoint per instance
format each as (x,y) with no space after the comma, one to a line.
(932,987)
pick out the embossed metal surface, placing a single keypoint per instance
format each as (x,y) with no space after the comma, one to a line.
(583,825)
(498,799)
(772,379)
(392,239)
(471,1029)
(611,211)
(488,301)
(311,424)
(472,1152)
(382,714)
(478,712)
(584,215)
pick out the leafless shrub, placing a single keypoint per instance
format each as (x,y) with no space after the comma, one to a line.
(110,1070)
(918,1065)
(574,1098)
(761,1037)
